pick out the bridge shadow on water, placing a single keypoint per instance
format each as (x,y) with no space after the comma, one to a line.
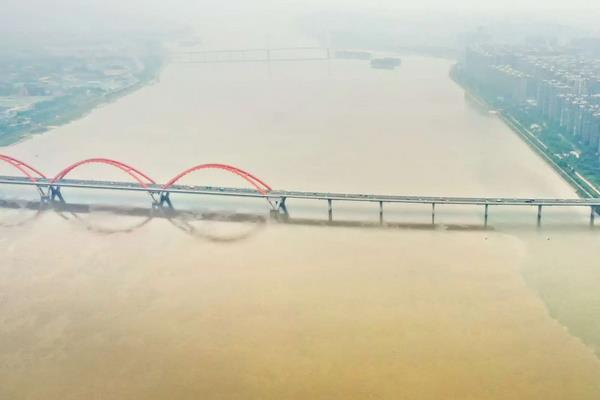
(182,220)
(187,220)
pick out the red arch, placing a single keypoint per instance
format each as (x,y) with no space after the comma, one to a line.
(141,178)
(26,169)
(257,183)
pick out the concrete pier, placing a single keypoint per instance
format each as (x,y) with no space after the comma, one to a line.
(485,217)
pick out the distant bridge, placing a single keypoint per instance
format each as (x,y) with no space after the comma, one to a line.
(273,54)
(160,194)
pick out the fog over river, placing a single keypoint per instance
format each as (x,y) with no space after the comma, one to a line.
(267,310)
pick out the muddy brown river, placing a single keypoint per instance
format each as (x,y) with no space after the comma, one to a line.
(99,305)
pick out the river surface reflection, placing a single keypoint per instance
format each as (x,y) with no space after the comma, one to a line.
(237,306)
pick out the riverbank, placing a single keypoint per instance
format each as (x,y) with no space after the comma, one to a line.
(61,110)
(576,180)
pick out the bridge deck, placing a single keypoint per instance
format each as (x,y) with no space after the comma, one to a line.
(280,194)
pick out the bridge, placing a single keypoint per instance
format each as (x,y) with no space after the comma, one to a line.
(50,190)
(267,54)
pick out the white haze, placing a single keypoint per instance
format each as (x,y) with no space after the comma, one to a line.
(31,16)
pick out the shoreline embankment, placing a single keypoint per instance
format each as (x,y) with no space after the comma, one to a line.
(577,181)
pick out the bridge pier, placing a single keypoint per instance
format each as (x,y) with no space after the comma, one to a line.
(279,210)
(54,193)
(432,213)
(330,209)
(485,217)
(593,216)
(165,198)
(381,213)
(539,215)
(281,206)
(43,195)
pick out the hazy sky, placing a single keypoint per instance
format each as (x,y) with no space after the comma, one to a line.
(71,15)
(185,9)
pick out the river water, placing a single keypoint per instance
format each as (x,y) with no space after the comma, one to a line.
(105,306)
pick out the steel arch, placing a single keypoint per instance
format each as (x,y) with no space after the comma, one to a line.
(141,178)
(26,169)
(257,183)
